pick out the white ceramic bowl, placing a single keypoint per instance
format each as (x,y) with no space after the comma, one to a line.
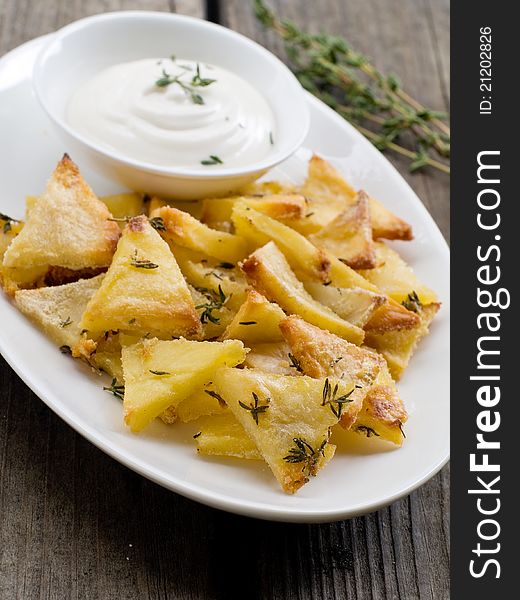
(78,51)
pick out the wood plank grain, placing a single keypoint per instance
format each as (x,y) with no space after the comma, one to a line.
(76,524)
(22,20)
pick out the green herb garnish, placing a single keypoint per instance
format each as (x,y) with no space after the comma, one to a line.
(66,322)
(158,223)
(198,81)
(254,408)
(295,363)
(159,372)
(142,263)
(304,453)
(331,398)
(217,397)
(368,431)
(189,88)
(116,388)
(215,302)
(412,302)
(212,160)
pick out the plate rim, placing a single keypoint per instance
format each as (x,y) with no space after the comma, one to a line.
(194,491)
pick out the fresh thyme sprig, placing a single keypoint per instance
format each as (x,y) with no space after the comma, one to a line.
(216,396)
(65,322)
(376,104)
(116,388)
(189,88)
(412,302)
(368,431)
(254,408)
(158,223)
(304,453)
(215,302)
(295,363)
(331,398)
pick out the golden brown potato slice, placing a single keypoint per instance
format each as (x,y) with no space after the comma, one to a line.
(391,316)
(216,213)
(383,413)
(67,227)
(308,261)
(256,321)
(161,374)
(143,291)
(57,310)
(355,305)
(321,354)
(182,229)
(267,188)
(398,346)
(282,207)
(387,225)
(270,273)
(272,357)
(329,193)
(396,278)
(124,206)
(222,435)
(349,235)
(259,229)
(205,274)
(288,418)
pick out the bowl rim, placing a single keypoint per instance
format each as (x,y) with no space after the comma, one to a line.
(218,172)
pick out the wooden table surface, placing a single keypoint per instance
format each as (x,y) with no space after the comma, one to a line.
(76,524)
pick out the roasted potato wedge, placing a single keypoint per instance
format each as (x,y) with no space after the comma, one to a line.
(57,310)
(272,357)
(143,291)
(256,321)
(396,279)
(320,354)
(398,346)
(270,273)
(67,227)
(349,235)
(181,229)
(161,374)
(223,435)
(287,418)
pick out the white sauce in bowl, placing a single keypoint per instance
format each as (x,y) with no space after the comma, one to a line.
(174,112)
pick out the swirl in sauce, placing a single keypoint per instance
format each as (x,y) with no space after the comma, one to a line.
(165,113)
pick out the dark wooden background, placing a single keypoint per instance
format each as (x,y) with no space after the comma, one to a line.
(76,524)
